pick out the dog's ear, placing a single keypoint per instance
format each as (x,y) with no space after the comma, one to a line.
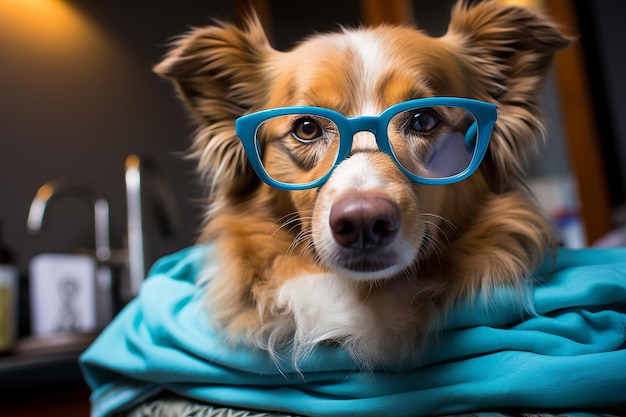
(218,73)
(509,51)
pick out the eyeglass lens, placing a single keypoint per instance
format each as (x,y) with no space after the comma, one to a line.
(434,142)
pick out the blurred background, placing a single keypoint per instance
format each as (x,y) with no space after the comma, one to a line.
(81,111)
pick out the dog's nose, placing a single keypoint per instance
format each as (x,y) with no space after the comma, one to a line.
(364,222)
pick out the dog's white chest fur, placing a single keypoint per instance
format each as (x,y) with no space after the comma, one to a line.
(328,307)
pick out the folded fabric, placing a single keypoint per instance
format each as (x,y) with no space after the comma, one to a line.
(563,348)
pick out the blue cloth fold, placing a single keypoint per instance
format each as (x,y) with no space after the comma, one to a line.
(565,348)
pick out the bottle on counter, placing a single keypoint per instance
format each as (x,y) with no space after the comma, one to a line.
(8,297)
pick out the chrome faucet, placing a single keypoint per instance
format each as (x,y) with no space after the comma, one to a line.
(53,190)
(104,279)
(140,174)
(145,188)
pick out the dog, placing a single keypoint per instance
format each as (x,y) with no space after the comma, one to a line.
(331,227)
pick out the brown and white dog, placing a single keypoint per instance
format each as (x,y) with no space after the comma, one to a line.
(286,275)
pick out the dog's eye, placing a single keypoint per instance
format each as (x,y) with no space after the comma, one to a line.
(306,129)
(424,120)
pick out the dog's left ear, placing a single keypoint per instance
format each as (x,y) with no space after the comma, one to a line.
(218,73)
(509,51)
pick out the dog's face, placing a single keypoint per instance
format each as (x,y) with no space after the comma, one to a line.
(369,221)
(404,251)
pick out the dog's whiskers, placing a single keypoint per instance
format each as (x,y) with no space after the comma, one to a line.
(291,220)
(303,240)
(439,228)
(433,241)
(443,219)
(437,250)
(412,270)
(290,223)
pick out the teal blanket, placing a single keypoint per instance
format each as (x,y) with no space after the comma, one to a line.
(564,349)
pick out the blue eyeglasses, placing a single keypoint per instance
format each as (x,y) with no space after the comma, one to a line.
(434,141)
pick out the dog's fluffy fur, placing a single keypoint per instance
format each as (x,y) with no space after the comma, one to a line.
(282,278)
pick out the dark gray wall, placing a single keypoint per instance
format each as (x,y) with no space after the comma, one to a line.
(78,96)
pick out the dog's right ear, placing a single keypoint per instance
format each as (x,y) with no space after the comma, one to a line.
(509,51)
(218,73)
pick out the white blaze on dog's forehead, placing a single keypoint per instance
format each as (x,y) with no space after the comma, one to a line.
(372,65)
(356,173)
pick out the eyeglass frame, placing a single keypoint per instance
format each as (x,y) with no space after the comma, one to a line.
(485,115)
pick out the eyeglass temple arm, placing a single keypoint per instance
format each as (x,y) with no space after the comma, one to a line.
(471,136)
